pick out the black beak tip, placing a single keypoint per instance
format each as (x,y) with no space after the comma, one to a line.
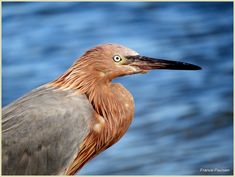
(189,66)
(185,66)
(195,67)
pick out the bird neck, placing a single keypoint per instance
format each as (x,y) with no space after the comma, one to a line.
(106,98)
(109,100)
(113,109)
(82,77)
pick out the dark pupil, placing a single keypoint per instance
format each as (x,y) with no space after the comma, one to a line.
(117,58)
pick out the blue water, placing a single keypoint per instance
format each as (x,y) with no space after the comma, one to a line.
(183,119)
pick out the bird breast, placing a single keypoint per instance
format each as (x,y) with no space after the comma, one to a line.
(115,109)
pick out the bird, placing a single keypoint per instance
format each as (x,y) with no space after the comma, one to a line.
(58,127)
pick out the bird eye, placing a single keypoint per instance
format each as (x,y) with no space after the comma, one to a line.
(117,58)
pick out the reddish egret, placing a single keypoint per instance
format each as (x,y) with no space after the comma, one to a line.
(60,126)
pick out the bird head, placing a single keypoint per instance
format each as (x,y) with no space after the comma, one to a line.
(108,61)
(112,60)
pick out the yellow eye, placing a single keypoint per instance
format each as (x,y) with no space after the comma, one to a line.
(117,58)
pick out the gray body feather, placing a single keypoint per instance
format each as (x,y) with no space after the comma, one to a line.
(42,131)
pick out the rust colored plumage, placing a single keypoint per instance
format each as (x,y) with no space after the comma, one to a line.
(113,104)
(109,125)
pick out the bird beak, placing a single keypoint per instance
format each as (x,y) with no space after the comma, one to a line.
(146,63)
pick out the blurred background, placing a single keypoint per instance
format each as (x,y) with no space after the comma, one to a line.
(183,119)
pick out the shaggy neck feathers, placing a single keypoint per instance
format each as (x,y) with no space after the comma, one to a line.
(112,103)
